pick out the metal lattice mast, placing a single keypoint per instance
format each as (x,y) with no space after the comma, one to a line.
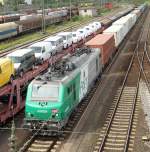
(43,16)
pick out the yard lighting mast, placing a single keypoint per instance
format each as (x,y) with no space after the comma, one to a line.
(43,16)
(70,9)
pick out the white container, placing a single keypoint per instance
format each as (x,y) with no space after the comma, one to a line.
(130,20)
(117,31)
(83,33)
(125,23)
(136,12)
(134,18)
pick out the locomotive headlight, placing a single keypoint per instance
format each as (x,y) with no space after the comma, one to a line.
(54,113)
(29,114)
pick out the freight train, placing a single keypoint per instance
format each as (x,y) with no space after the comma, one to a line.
(51,97)
(52,45)
(32,22)
(9,18)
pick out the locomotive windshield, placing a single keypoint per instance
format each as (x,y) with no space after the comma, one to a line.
(45,92)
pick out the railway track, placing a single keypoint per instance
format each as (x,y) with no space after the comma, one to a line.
(9,50)
(119,130)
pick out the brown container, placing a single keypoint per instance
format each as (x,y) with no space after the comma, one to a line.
(105,43)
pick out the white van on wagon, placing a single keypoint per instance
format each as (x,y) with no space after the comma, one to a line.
(67,38)
(56,42)
(42,50)
(93,26)
(97,24)
(83,33)
(76,36)
(88,29)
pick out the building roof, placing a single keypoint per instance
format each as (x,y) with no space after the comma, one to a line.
(87,8)
(100,39)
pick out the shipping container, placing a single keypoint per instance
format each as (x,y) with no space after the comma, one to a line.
(137,12)
(105,43)
(118,32)
(134,18)
(131,20)
(125,23)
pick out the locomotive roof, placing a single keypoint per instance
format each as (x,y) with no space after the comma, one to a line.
(75,61)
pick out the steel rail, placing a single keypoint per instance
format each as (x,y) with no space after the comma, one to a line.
(148,58)
(133,107)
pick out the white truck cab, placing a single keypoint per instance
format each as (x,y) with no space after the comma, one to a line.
(56,42)
(67,38)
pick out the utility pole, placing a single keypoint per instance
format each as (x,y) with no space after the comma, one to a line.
(12,138)
(70,10)
(43,16)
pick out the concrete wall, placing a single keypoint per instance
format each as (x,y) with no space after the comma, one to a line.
(87,11)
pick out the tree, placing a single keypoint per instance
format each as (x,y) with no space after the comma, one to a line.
(13,3)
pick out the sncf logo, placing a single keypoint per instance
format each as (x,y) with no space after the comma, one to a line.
(43,104)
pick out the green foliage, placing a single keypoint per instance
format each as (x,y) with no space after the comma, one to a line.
(13,3)
(80,18)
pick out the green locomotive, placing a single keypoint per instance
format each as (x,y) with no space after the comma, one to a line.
(53,96)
